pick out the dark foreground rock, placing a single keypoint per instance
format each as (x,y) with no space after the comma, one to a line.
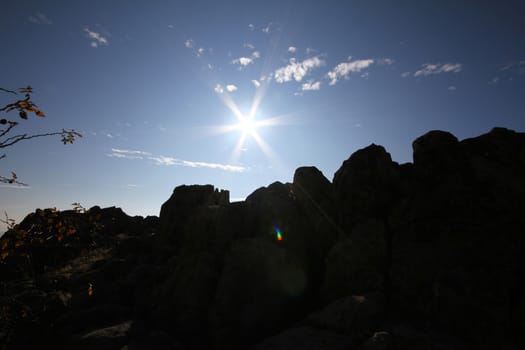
(425,255)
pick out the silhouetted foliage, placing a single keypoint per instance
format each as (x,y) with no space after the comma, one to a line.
(24,107)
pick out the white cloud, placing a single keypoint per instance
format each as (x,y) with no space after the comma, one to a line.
(251,27)
(494,81)
(405,74)
(516,67)
(161,160)
(171,26)
(231,88)
(267,28)
(97,38)
(256,83)
(311,86)
(201,50)
(310,50)
(39,18)
(127,154)
(297,70)
(385,61)
(218,89)
(452,88)
(189,43)
(132,186)
(292,49)
(244,61)
(437,68)
(248,45)
(109,136)
(343,70)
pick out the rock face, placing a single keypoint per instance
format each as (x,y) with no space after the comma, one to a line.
(425,255)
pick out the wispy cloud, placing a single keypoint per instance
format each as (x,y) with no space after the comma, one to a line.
(516,67)
(189,43)
(297,70)
(267,28)
(438,68)
(251,27)
(256,83)
(310,50)
(170,161)
(311,86)
(292,49)
(39,18)
(452,88)
(344,69)
(127,154)
(97,39)
(385,61)
(231,87)
(218,89)
(161,160)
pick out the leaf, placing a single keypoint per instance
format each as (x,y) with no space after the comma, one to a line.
(39,113)
(23,115)
(3,121)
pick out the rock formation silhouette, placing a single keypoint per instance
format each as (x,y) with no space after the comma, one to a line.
(423,255)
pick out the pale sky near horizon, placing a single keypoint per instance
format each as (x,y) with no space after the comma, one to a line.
(159,90)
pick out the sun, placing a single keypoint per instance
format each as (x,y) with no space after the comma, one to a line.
(247,125)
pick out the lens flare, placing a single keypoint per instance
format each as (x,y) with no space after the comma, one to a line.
(278,234)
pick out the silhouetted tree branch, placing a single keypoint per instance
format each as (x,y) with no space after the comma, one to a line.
(24,107)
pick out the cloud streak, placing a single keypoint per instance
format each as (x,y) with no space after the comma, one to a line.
(39,18)
(97,39)
(437,68)
(170,161)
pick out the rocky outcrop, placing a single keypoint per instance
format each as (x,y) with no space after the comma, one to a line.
(428,254)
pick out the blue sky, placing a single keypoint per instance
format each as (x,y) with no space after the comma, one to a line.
(159,90)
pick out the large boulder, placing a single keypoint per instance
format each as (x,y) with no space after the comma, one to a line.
(357,264)
(366,185)
(181,304)
(261,290)
(457,253)
(182,204)
(433,147)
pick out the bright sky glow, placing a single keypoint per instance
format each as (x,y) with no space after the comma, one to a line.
(239,94)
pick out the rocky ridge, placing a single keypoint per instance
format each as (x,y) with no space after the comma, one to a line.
(423,255)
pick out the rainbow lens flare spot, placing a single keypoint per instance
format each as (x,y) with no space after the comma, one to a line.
(278,234)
